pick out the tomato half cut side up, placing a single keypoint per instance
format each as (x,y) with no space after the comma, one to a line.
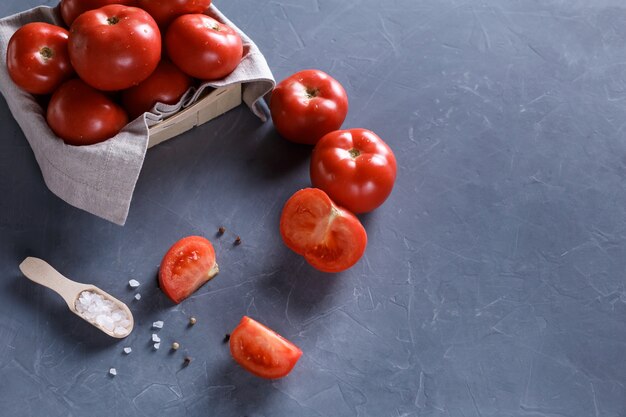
(261,351)
(186,266)
(329,237)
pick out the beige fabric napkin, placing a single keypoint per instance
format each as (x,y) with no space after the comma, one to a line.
(101,178)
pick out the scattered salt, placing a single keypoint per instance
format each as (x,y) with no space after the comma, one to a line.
(157,324)
(102,312)
(155,338)
(113,371)
(127,350)
(133,283)
(157,346)
(137,296)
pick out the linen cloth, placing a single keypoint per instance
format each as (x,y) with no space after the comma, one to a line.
(101,178)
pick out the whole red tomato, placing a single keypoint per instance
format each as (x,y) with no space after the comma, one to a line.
(165,11)
(262,351)
(71,9)
(329,237)
(167,84)
(81,115)
(37,57)
(114,47)
(203,47)
(355,167)
(307,105)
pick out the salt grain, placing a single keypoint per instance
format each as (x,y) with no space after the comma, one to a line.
(127,350)
(155,338)
(157,324)
(102,312)
(113,371)
(133,283)
(138,296)
(157,346)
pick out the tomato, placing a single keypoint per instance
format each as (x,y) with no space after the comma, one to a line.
(307,105)
(186,266)
(203,47)
(37,57)
(82,115)
(71,9)
(355,167)
(167,84)
(329,237)
(114,47)
(165,11)
(262,351)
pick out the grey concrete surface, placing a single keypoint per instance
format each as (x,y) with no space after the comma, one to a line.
(493,282)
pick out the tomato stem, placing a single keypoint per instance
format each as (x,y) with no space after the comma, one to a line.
(354,153)
(46,52)
(311,92)
(114,20)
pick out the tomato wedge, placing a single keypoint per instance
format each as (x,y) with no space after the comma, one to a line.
(186,266)
(329,237)
(262,351)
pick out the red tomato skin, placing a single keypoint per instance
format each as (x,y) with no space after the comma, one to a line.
(71,9)
(355,167)
(186,266)
(261,351)
(166,84)
(165,11)
(37,57)
(82,115)
(117,55)
(307,105)
(330,238)
(202,47)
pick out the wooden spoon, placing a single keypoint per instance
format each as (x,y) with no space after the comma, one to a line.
(39,271)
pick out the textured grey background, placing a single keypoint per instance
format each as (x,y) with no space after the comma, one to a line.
(493,283)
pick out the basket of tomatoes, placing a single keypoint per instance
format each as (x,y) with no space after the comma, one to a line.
(94,83)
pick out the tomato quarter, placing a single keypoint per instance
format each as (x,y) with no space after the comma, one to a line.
(71,9)
(203,47)
(165,11)
(114,47)
(330,238)
(262,351)
(355,168)
(166,84)
(186,266)
(82,115)
(307,105)
(37,57)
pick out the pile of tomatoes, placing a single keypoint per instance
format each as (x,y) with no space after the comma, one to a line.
(117,60)
(353,171)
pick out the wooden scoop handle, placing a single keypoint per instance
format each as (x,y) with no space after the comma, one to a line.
(39,271)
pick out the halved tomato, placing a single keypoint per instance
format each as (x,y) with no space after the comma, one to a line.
(188,265)
(262,351)
(329,237)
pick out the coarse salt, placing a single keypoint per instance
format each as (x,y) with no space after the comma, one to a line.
(133,283)
(137,296)
(113,371)
(157,324)
(155,338)
(157,346)
(127,350)
(102,312)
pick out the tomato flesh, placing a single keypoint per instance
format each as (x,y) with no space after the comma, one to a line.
(330,238)
(186,266)
(262,351)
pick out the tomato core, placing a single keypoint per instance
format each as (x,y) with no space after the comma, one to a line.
(113,20)
(354,153)
(312,92)
(46,53)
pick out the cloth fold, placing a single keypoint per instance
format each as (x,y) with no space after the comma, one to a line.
(101,178)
